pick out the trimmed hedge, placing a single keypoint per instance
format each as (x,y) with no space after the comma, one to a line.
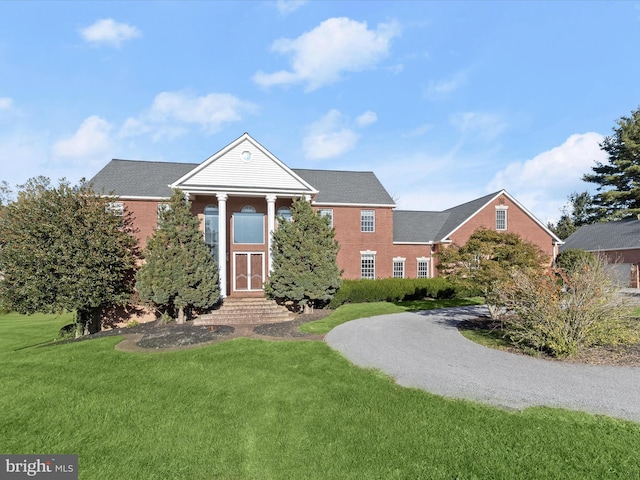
(392,290)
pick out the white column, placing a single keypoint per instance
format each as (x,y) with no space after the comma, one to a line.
(271,224)
(222,242)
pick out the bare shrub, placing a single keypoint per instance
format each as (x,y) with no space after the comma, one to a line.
(563,312)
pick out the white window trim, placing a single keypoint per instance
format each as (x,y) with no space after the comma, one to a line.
(373,216)
(402,261)
(372,254)
(428,262)
(327,212)
(115,208)
(502,208)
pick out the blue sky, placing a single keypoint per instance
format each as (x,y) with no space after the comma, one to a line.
(444,101)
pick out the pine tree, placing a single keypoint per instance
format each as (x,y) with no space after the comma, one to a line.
(179,273)
(619,178)
(304,256)
(61,249)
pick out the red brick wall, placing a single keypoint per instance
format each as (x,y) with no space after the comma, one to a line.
(517,222)
(346,222)
(145,217)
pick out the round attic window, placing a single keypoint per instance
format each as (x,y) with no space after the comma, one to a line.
(246,156)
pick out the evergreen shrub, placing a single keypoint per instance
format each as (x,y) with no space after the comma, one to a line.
(391,290)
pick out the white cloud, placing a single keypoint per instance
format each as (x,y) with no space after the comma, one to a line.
(320,57)
(480,126)
(90,141)
(329,137)
(172,112)
(418,131)
(285,7)
(6,103)
(544,182)
(109,32)
(367,118)
(444,88)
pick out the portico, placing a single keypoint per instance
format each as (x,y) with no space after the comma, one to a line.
(238,194)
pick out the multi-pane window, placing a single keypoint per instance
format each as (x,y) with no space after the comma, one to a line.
(211,230)
(115,208)
(368,265)
(398,268)
(501,219)
(423,268)
(248,226)
(327,212)
(367,221)
(162,208)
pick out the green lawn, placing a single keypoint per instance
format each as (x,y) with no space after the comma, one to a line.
(253,409)
(352,311)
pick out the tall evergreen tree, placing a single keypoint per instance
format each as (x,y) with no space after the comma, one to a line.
(179,273)
(574,215)
(61,249)
(619,178)
(304,254)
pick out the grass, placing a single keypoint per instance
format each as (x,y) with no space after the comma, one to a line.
(253,409)
(353,311)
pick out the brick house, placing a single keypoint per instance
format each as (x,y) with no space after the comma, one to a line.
(240,192)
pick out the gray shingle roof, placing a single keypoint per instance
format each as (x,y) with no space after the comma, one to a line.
(137,178)
(623,234)
(414,226)
(417,227)
(361,188)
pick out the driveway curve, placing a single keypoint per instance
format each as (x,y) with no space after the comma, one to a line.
(425,350)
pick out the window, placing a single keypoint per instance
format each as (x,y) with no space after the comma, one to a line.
(423,267)
(248,226)
(398,267)
(115,208)
(367,220)
(211,229)
(284,212)
(501,218)
(327,212)
(162,208)
(368,264)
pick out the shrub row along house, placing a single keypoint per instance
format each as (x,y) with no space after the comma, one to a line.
(241,192)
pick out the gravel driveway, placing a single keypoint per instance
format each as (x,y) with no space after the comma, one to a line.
(425,350)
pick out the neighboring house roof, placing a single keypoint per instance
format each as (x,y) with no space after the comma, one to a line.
(344,187)
(620,235)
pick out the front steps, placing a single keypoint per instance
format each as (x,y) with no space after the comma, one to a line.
(244,310)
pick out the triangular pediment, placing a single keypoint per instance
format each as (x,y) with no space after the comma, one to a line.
(243,166)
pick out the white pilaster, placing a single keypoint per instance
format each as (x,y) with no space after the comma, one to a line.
(222,242)
(271,224)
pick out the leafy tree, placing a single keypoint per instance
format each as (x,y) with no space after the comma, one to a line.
(486,261)
(618,180)
(179,273)
(6,194)
(574,258)
(60,250)
(304,254)
(578,215)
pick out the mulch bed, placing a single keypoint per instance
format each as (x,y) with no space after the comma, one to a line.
(619,355)
(155,335)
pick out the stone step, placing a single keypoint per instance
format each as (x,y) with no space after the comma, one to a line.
(237,311)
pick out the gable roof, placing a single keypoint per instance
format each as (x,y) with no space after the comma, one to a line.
(243,166)
(619,235)
(343,187)
(436,227)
